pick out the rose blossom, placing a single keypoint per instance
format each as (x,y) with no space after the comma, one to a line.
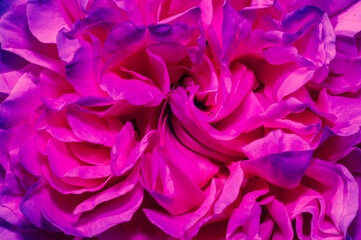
(180,119)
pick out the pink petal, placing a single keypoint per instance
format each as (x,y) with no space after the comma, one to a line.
(90,128)
(347,111)
(14,23)
(64,164)
(30,158)
(169,186)
(53,85)
(45,19)
(117,190)
(343,191)
(177,225)
(354,229)
(347,21)
(72,185)
(197,167)
(283,161)
(125,38)
(97,155)
(134,91)
(79,56)
(127,151)
(56,124)
(21,103)
(231,189)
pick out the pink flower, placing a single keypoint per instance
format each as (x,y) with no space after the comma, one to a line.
(180,119)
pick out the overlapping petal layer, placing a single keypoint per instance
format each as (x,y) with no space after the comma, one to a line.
(134,119)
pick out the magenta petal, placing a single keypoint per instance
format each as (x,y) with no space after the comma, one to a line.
(53,85)
(10,211)
(91,154)
(46,18)
(55,209)
(30,158)
(14,23)
(348,21)
(10,62)
(61,160)
(230,190)
(247,214)
(99,220)
(127,151)
(31,208)
(90,128)
(169,186)
(56,124)
(79,56)
(347,111)
(117,190)
(179,32)
(284,54)
(350,81)
(134,91)
(354,229)
(351,161)
(124,38)
(171,53)
(21,102)
(330,6)
(73,185)
(197,167)
(58,104)
(176,226)
(159,72)
(281,218)
(283,161)
(342,194)
(276,142)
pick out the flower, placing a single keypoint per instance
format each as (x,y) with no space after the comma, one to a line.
(180,119)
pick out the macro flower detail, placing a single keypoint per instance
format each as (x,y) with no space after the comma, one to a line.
(134,119)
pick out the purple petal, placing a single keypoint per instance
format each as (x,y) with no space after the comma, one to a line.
(17,38)
(21,103)
(46,18)
(125,38)
(79,56)
(283,161)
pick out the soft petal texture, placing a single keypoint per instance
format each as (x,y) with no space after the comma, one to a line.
(169,185)
(21,102)
(321,200)
(134,91)
(61,216)
(198,168)
(347,121)
(46,18)
(180,119)
(342,22)
(177,225)
(279,164)
(17,39)
(331,7)
(126,151)
(90,128)
(79,56)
